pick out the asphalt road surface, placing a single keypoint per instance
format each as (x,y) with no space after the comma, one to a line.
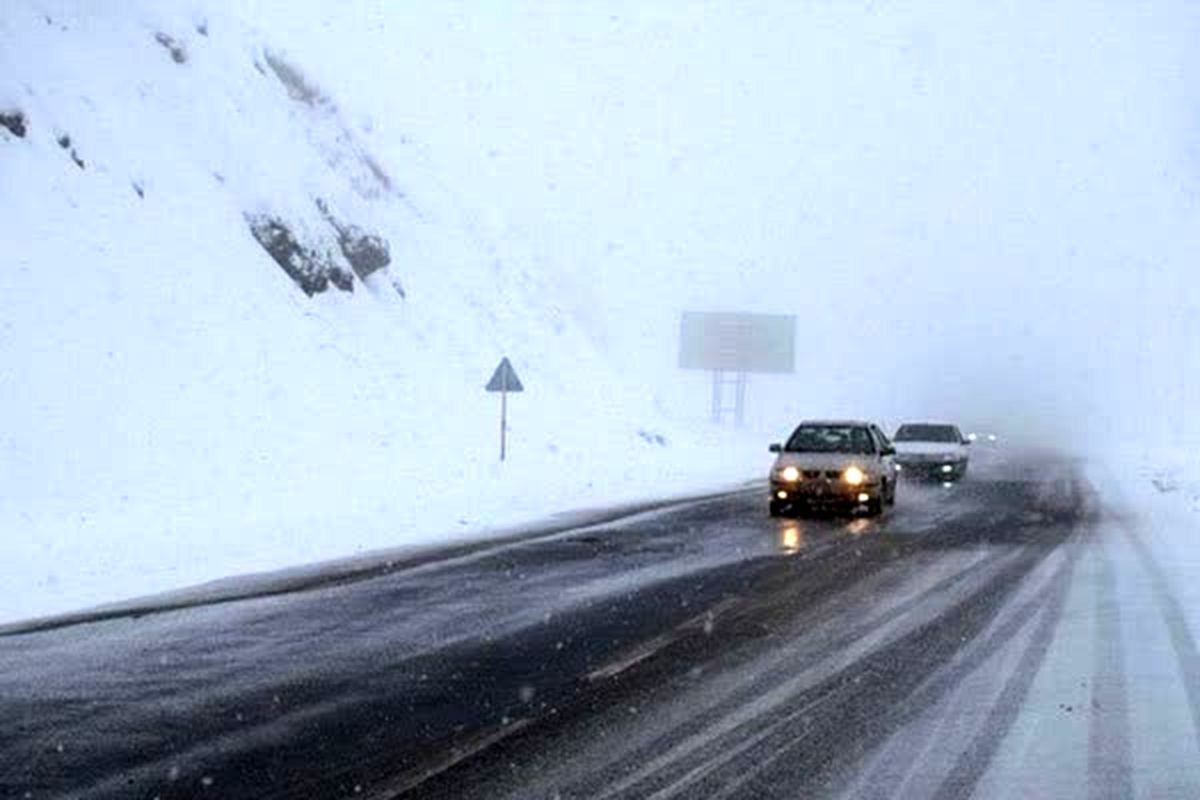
(704,650)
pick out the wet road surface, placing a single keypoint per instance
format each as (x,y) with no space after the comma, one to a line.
(705,650)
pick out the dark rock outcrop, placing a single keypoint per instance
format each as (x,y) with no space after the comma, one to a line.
(650,437)
(14,122)
(312,271)
(64,141)
(366,252)
(298,87)
(173,46)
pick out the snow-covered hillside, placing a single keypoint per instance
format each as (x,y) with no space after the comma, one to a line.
(179,407)
(260,258)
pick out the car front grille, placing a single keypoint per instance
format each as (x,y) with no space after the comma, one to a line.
(831,474)
(927,458)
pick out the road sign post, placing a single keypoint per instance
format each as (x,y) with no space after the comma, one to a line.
(504,380)
(503,423)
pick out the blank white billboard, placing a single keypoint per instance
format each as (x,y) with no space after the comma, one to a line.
(737,342)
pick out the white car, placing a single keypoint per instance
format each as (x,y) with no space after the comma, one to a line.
(841,464)
(931,450)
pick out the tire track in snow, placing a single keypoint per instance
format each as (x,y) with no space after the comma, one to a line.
(809,753)
(1069,500)
(1048,602)
(1182,641)
(894,766)
(739,715)
(1110,755)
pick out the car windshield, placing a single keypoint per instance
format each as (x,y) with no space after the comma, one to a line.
(830,439)
(928,433)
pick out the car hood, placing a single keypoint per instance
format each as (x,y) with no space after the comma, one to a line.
(822,461)
(930,448)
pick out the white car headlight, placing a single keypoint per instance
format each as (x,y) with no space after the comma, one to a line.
(854,476)
(789,474)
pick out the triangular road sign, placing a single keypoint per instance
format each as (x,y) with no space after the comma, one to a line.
(505,379)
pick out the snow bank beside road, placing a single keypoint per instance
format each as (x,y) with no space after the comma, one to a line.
(1167,495)
(180,406)
(1155,496)
(119,553)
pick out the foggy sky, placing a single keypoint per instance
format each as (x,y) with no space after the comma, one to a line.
(976,210)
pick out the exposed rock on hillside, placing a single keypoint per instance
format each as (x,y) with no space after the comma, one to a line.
(173,46)
(14,121)
(366,252)
(298,87)
(312,270)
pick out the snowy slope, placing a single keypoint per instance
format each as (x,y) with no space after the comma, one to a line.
(178,409)
(977,212)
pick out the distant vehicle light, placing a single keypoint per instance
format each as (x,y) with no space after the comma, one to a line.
(854,476)
(782,495)
(864,497)
(991,437)
(947,468)
(790,474)
(973,436)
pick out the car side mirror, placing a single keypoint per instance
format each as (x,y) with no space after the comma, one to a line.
(776,448)
(888,451)
(966,441)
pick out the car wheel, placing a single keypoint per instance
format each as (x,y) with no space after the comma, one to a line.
(875,505)
(890,496)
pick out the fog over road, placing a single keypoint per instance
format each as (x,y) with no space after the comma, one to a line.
(970,641)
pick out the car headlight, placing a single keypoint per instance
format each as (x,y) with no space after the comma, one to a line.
(789,474)
(854,476)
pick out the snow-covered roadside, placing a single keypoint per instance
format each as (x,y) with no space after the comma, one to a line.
(1115,697)
(414,551)
(1092,671)
(47,574)
(180,409)
(1157,494)
(1174,478)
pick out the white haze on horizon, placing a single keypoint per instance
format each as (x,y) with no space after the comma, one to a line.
(983,211)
